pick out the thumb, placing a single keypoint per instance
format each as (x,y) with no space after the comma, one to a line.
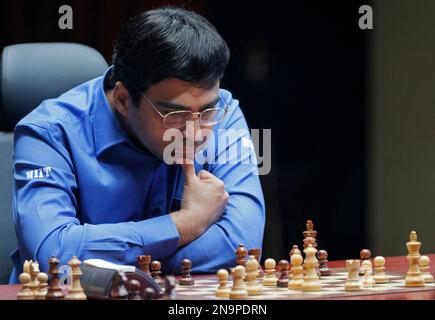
(203,174)
(189,173)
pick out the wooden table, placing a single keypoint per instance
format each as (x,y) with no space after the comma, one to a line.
(393,264)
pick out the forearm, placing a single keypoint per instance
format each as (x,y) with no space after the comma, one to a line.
(119,243)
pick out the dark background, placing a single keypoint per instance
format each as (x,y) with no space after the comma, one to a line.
(298,68)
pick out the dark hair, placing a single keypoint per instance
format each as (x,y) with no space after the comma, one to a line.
(168,42)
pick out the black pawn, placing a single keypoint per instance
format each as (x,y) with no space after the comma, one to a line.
(148,293)
(170,284)
(186,279)
(322,255)
(156,268)
(134,290)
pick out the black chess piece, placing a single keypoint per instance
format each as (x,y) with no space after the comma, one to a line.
(322,255)
(283,280)
(134,290)
(170,284)
(186,279)
(119,291)
(156,268)
(54,289)
(148,293)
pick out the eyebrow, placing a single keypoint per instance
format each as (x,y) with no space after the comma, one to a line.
(176,106)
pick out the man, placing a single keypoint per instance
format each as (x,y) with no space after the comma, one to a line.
(91,177)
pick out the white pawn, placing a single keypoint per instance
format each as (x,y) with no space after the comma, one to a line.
(297,276)
(238,291)
(424,263)
(353,282)
(42,286)
(223,291)
(379,275)
(367,280)
(270,279)
(25,293)
(251,276)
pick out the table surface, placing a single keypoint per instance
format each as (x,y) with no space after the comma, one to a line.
(393,264)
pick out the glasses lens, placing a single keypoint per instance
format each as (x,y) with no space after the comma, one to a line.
(212,116)
(176,119)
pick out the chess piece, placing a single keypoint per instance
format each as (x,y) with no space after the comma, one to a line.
(186,269)
(270,279)
(379,275)
(134,290)
(367,281)
(75,291)
(366,264)
(353,282)
(156,268)
(283,280)
(256,252)
(119,290)
(25,292)
(148,293)
(312,241)
(311,279)
(322,255)
(414,277)
(33,271)
(295,249)
(26,266)
(297,277)
(364,254)
(424,263)
(310,232)
(239,290)
(41,292)
(241,253)
(170,284)
(143,262)
(223,291)
(251,276)
(54,289)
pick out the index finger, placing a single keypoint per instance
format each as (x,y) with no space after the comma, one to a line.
(189,172)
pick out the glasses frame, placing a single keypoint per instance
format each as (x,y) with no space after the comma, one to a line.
(226,108)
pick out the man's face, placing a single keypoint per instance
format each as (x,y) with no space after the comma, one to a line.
(168,95)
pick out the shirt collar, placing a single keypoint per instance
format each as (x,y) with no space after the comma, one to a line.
(107,129)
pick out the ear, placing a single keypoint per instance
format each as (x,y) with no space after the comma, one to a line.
(120,98)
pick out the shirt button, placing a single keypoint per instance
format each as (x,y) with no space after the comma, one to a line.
(156,211)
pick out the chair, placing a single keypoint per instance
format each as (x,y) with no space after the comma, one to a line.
(29,74)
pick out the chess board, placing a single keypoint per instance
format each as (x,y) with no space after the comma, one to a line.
(332,287)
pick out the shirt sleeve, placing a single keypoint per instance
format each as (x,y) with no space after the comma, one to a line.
(46,214)
(234,162)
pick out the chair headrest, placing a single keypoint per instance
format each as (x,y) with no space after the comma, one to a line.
(33,72)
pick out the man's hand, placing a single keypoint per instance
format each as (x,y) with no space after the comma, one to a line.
(204,201)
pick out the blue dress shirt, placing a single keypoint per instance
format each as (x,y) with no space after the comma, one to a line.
(81,187)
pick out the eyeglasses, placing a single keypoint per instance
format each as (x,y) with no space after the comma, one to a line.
(207,118)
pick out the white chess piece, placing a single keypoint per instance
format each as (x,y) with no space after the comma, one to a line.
(424,263)
(223,291)
(251,276)
(353,282)
(311,278)
(367,281)
(379,275)
(414,277)
(270,278)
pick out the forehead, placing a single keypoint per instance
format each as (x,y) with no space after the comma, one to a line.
(181,92)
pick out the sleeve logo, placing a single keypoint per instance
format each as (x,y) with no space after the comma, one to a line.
(38,173)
